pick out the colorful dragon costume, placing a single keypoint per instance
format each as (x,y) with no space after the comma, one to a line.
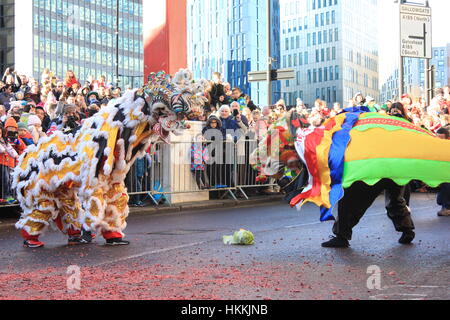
(356,145)
(76,181)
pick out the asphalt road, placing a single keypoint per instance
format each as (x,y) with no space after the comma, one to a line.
(181,256)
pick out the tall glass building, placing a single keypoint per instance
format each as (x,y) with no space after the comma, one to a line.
(230,37)
(6,34)
(79,35)
(414,75)
(333,47)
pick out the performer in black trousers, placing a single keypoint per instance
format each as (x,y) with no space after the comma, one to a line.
(358,198)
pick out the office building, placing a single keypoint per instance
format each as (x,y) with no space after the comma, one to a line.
(230,37)
(333,47)
(414,75)
(79,35)
(6,34)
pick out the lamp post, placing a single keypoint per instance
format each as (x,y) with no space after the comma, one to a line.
(269,52)
(117,42)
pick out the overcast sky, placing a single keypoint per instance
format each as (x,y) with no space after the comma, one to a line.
(389,38)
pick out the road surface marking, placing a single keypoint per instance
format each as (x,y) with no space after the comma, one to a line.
(150,253)
(412,286)
(411,295)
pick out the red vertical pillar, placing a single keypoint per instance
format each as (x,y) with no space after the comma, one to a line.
(165,38)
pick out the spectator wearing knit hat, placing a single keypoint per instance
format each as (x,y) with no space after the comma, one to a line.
(11,139)
(35,128)
(24,134)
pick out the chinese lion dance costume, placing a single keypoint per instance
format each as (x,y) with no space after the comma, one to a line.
(356,149)
(76,182)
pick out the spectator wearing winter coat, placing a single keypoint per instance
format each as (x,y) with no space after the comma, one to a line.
(35,128)
(11,79)
(70,80)
(239,97)
(233,124)
(11,139)
(213,129)
(25,135)
(6,97)
(217,92)
(250,104)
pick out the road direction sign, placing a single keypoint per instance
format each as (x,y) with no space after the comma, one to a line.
(285,74)
(257,76)
(282,74)
(415,31)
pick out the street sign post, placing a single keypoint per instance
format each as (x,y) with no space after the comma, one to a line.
(416,41)
(282,74)
(415,37)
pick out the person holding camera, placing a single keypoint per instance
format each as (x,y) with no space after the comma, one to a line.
(8,159)
(11,79)
(11,147)
(68,122)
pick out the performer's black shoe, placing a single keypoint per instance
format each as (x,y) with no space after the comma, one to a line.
(336,242)
(407,237)
(76,240)
(117,242)
(87,236)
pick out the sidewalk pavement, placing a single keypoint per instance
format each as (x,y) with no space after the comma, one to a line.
(185,207)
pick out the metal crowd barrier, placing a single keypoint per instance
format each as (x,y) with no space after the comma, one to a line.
(7,194)
(193,167)
(172,169)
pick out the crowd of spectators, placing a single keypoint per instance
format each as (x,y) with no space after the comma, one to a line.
(34,108)
(31,109)
(237,112)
